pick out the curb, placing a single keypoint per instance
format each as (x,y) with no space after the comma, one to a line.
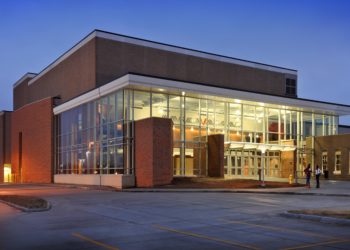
(69,186)
(192,190)
(85,187)
(27,210)
(160,190)
(317,218)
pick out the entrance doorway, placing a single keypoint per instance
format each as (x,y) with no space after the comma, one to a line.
(190,160)
(7,173)
(247,163)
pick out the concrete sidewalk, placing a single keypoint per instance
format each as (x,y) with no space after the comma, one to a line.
(328,188)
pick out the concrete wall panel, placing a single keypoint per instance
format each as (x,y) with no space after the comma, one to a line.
(117,181)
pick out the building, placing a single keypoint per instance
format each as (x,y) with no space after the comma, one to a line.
(5,146)
(122,111)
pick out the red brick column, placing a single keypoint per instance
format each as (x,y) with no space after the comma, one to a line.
(216,155)
(5,141)
(153,152)
(35,123)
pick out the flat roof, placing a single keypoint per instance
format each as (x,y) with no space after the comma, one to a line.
(24,77)
(162,46)
(159,84)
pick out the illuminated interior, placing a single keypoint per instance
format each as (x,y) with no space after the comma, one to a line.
(96,137)
(244,124)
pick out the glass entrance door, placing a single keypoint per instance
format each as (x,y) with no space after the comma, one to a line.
(233,163)
(236,163)
(273,166)
(248,163)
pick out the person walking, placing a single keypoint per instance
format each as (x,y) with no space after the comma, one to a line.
(318,174)
(307,172)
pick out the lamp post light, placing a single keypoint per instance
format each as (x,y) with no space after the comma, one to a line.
(263,149)
(263,167)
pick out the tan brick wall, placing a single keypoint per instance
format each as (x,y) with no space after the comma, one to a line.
(216,155)
(331,144)
(288,163)
(153,152)
(35,121)
(288,160)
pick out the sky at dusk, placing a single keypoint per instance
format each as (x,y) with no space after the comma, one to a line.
(310,36)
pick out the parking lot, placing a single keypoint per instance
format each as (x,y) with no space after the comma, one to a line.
(94,219)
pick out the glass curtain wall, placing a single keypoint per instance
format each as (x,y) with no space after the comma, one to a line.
(90,137)
(246,122)
(96,137)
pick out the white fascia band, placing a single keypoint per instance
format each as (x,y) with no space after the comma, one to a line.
(93,94)
(135,81)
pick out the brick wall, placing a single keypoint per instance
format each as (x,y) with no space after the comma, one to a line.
(287,163)
(330,145)
(216,155)
(5,141)
(35,122)
(288,160)
(2,145)
(153,152)
(115,59)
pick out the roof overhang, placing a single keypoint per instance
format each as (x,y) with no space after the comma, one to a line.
(177,87)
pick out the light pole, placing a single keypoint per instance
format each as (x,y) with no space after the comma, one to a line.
(263,149)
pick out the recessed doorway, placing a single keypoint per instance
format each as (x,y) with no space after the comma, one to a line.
(7,173)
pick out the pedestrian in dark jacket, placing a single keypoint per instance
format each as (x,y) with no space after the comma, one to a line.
(307,172)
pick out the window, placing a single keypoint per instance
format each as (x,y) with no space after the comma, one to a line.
(291,87)
(273,125)
(337,163)
(91,137)
(159,105)
(318,125)
(324,161)
(142,101)
(307,124)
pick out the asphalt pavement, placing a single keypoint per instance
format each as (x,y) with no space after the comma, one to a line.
(103,219)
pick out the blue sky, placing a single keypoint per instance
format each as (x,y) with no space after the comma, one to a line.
(310,36)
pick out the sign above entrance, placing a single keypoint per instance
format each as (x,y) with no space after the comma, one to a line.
(258,146)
